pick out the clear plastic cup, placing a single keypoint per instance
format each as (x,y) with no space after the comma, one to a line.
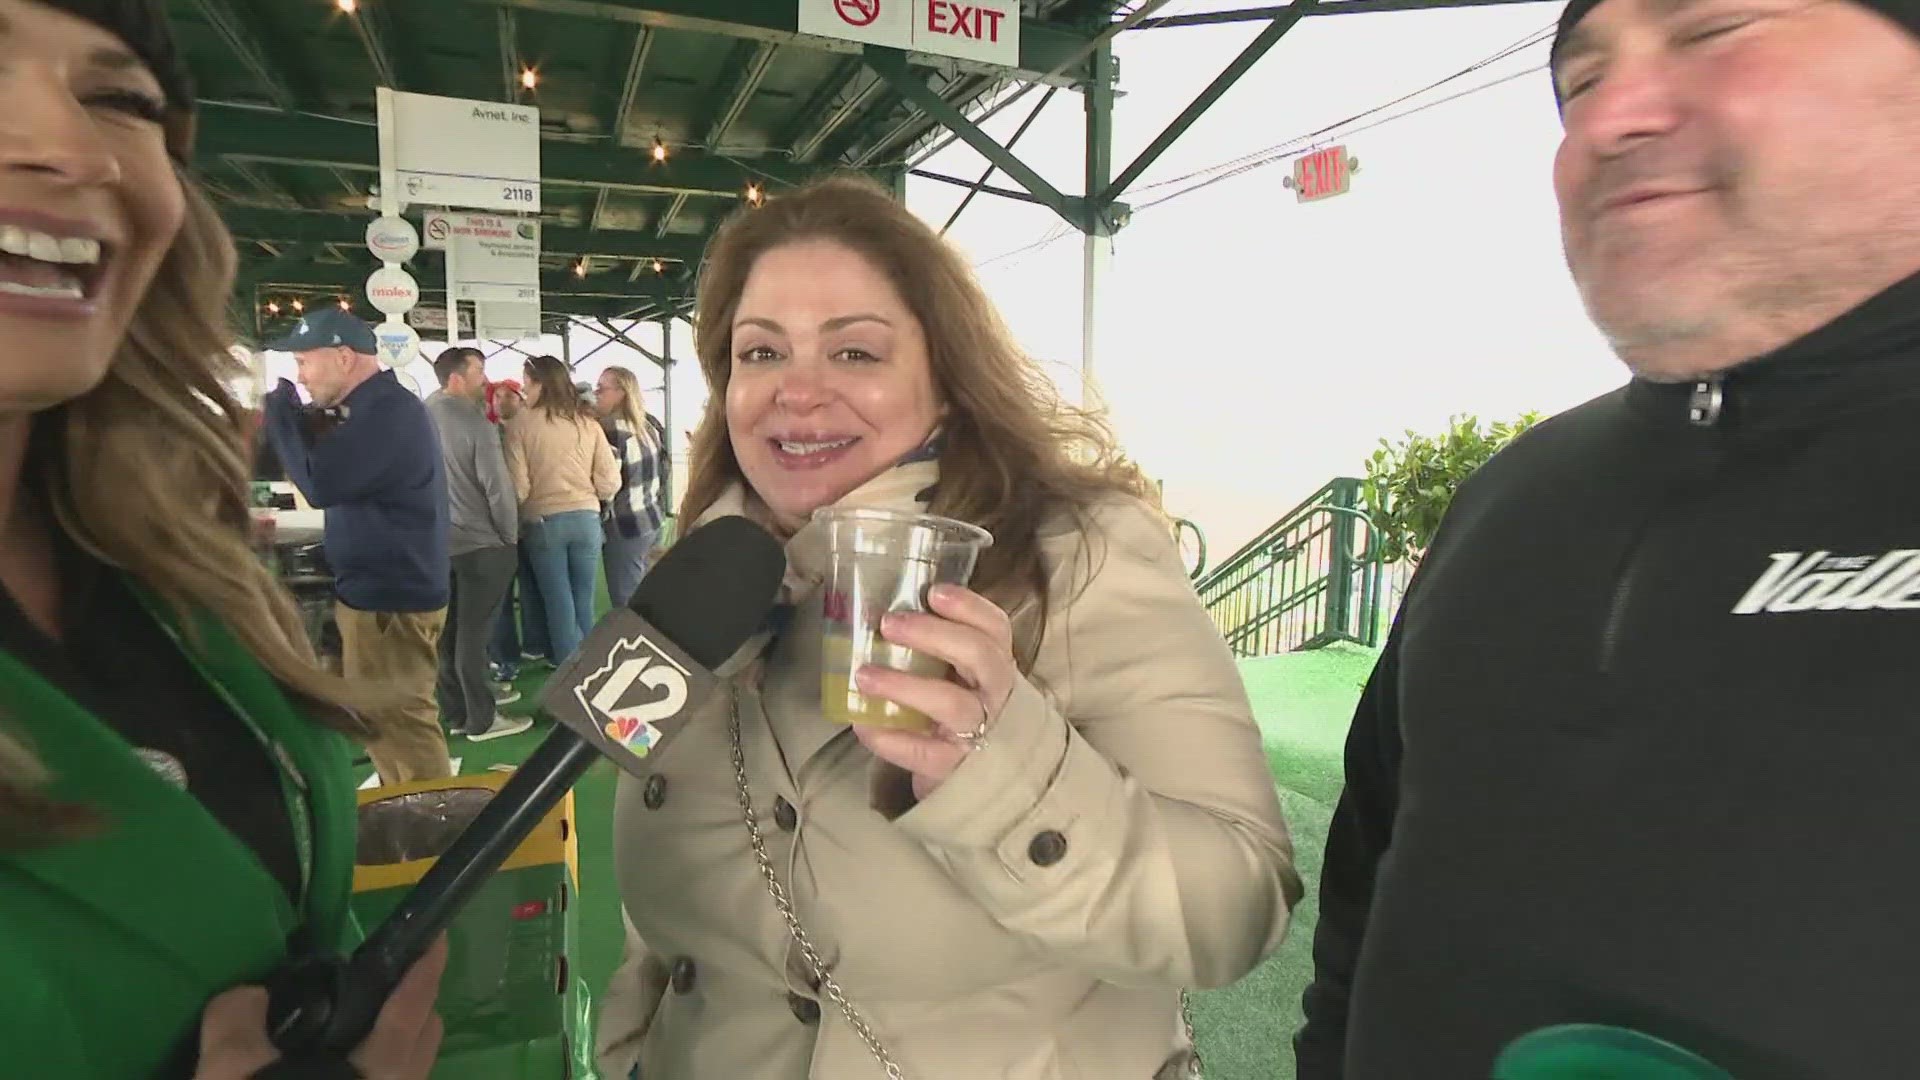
(878,562)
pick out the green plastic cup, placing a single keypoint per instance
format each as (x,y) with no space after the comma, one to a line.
(1600,1052)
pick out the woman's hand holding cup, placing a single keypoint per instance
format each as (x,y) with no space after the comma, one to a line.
(972,634)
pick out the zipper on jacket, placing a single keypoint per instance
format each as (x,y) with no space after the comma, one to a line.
(1704,407)
(1704,404)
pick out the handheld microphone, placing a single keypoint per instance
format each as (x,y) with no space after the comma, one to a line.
(636,678)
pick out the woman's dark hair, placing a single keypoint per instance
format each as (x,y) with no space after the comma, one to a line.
(558,397)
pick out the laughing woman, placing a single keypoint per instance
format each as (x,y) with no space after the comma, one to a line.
(176,804)
(1091,828)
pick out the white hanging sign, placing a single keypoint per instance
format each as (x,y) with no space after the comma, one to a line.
(392,239)
(986,31)
(433,318)
(459,152)
(392,291)
(399,343)
(502,320)
(490,256)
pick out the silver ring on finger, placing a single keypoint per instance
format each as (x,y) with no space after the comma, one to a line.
(975,739)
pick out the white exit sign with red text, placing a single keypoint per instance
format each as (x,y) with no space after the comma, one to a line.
(1322,174)
(987,31)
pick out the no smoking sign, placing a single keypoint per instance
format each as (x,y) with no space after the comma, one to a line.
(857,12)
(983,31)
(872,22)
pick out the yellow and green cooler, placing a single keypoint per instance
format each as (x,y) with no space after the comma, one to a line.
(514,1006)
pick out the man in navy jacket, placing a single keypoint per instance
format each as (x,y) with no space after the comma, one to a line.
(367,453)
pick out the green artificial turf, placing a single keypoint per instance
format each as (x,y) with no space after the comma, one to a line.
(1303,702)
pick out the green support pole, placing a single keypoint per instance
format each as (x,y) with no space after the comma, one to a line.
(1096,224)
(666,406)
(1342,567)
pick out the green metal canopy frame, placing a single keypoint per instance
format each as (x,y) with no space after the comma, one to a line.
(659,118)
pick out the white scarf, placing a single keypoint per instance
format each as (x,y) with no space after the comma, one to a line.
(906,487)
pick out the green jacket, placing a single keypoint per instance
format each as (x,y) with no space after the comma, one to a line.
(111,946)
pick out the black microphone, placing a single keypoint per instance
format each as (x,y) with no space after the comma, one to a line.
(635,679)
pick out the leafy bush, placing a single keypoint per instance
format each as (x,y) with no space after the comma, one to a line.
(1410,484)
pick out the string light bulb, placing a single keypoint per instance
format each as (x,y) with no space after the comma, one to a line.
(345,305)
(299,306)
(529,78)
(754,195)
(659,267)
(346,6)
(273,307)
(659,149)
(580,268)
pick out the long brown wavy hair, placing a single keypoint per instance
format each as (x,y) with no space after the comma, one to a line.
(557,394)
(1015,452)
(164,423)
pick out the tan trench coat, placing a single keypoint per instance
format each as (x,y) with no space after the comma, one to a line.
(1118,838)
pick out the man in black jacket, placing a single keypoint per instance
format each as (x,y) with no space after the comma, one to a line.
(1642,748)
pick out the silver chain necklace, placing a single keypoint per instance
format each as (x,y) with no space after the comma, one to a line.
(784,903)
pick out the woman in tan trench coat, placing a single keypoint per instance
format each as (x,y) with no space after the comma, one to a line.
(1026,893)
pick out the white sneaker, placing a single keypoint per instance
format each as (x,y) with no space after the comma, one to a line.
(505,695)
(504,726)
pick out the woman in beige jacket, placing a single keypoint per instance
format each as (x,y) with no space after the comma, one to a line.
(563,469)
(1024,894)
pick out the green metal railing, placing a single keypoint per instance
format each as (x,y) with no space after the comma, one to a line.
(1193,546)
(1308,581)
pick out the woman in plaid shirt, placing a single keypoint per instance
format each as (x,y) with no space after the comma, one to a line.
(632,520)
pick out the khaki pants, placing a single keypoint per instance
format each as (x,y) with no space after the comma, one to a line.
(399,650)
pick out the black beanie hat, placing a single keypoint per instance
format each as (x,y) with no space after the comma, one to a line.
(1904,12)
(142,25)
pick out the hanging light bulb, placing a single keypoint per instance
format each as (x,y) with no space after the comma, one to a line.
(299,306)
(347,6)
(580,268)
(273,307)
(753,194)
(345,305)
(659,149)
(659,267)
(529,78)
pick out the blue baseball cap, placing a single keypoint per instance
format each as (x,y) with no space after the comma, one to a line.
(326,328)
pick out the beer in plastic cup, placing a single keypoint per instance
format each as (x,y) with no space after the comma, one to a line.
(878,562)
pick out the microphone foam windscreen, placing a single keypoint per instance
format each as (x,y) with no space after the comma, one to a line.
(713,588)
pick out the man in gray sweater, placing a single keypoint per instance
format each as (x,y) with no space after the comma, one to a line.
(483,542)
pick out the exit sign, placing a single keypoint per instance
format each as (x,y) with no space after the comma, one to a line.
(986,31)
(1322,174)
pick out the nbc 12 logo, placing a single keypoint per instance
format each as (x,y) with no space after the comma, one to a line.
(639,687)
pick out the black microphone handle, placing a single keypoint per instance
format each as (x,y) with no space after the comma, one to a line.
(362,986)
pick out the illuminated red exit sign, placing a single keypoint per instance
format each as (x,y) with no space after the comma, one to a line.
(1322,174)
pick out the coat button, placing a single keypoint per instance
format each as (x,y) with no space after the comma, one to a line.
(682,975)
(805,1009)
(656,791)
(1047,848)
(784,815)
